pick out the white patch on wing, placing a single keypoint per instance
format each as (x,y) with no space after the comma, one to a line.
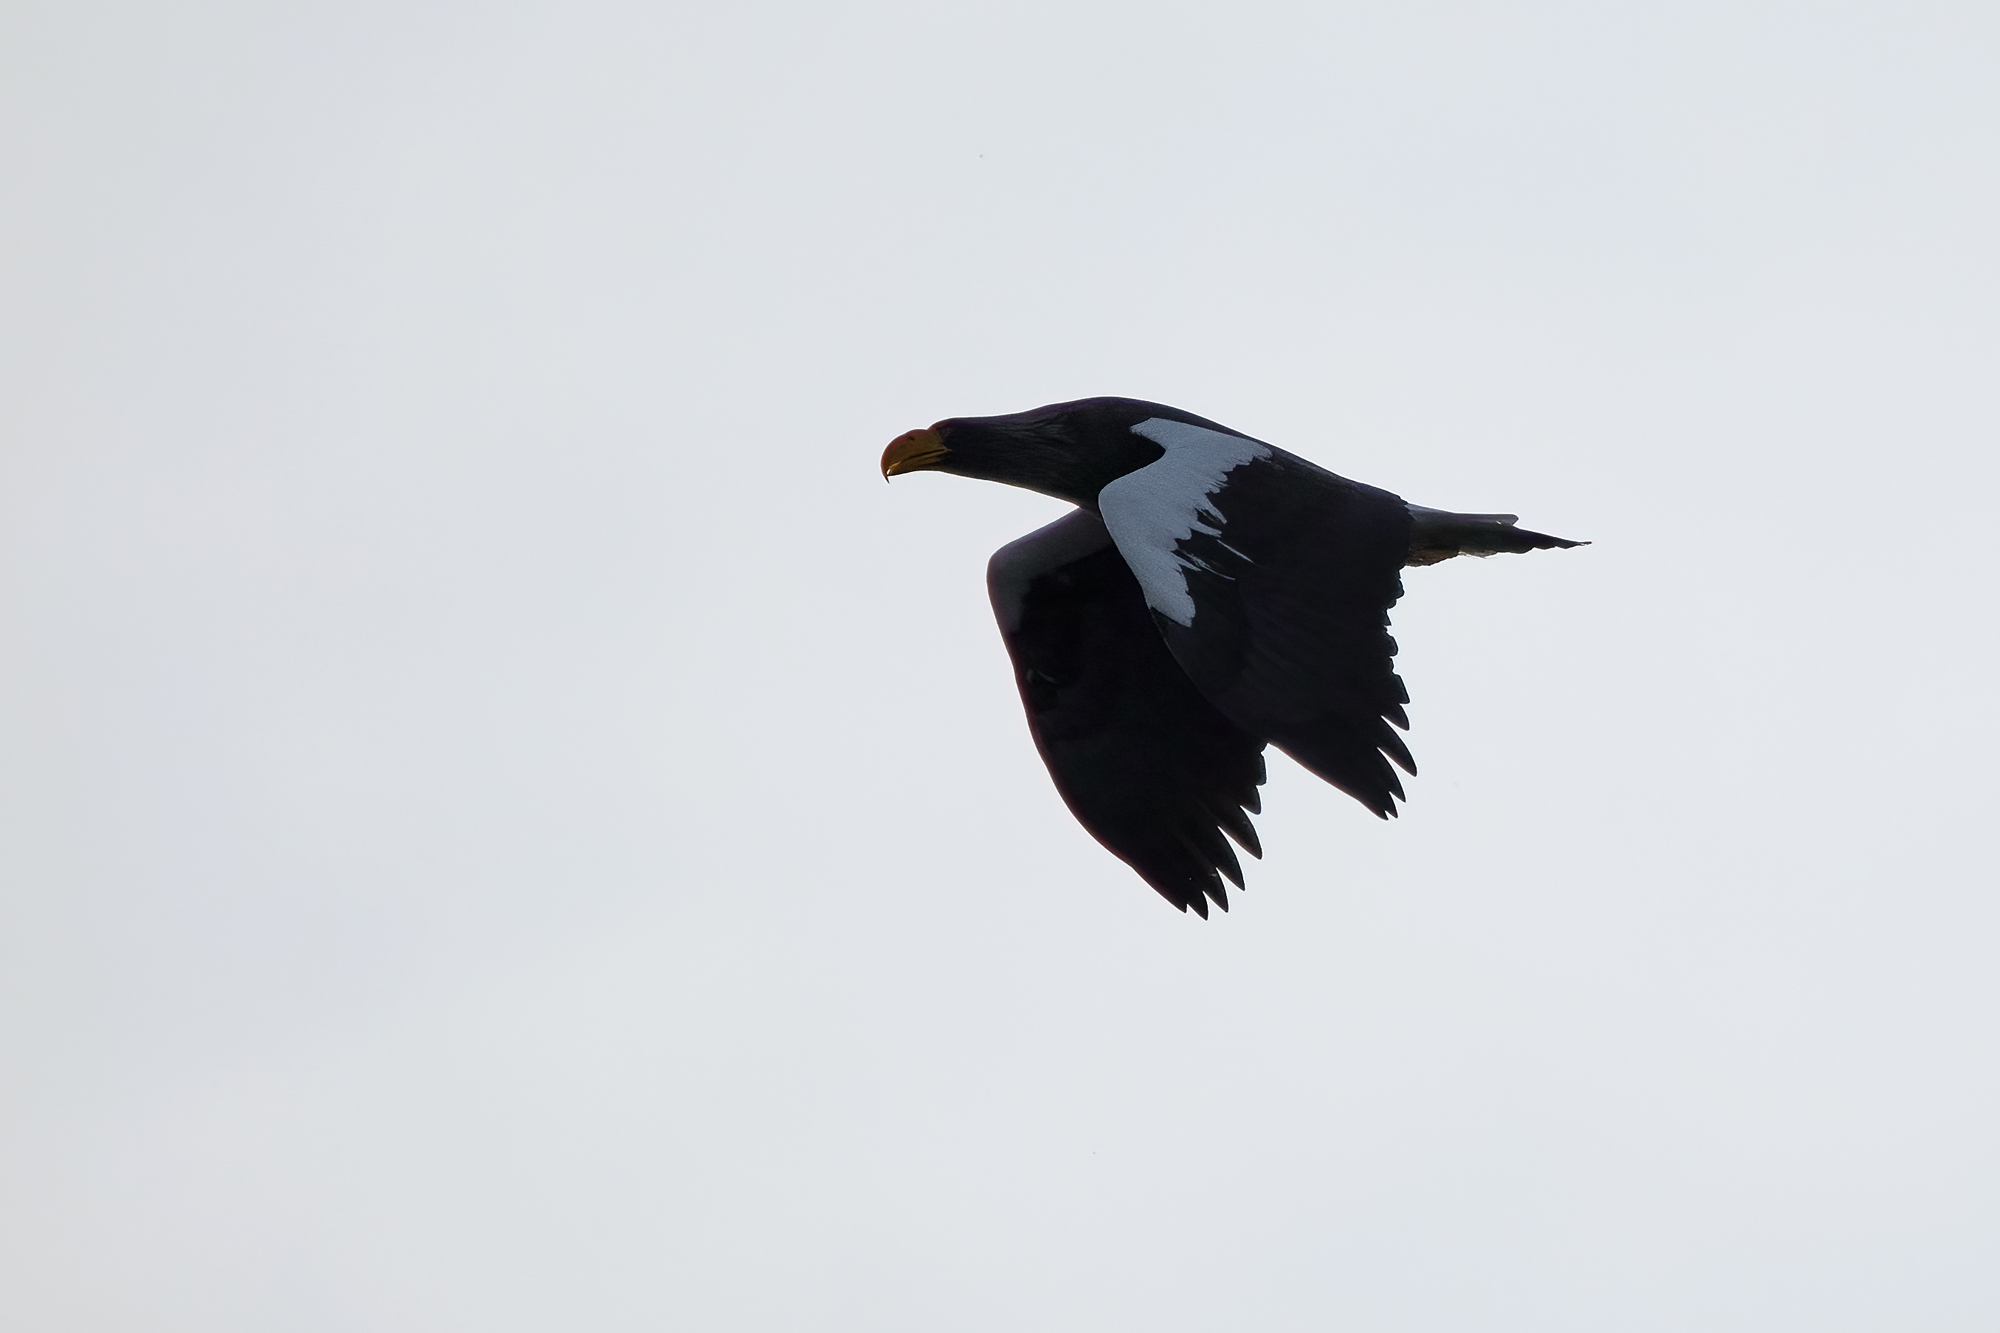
(1152,511)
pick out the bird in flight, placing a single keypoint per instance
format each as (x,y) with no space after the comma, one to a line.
(1210,594)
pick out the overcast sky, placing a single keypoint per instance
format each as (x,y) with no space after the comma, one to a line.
(507,823)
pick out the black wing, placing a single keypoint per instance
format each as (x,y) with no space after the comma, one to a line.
(1274,582)
(1150,768)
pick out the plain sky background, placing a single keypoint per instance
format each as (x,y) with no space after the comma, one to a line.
(508,824)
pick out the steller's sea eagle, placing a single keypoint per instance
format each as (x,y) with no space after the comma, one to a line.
(1210,594)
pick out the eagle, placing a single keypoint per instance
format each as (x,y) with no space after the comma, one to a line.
(1209,595)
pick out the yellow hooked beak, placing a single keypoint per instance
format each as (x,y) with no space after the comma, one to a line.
(912,451)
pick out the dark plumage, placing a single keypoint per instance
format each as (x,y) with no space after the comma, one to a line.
(1209,595)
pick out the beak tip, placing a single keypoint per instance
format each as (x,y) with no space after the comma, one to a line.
(911,452)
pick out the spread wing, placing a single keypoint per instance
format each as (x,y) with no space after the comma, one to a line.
(1147,765)
(1271,582)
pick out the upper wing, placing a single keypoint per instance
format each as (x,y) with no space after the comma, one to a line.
(1271,581)
(1147,765)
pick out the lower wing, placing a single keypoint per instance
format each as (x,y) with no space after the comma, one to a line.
(1146,764)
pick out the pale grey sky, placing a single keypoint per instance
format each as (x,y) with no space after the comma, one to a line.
(508,824)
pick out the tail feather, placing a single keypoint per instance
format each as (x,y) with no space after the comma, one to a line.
(1439,535)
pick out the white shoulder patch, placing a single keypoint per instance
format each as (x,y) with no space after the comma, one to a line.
(1152,511)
